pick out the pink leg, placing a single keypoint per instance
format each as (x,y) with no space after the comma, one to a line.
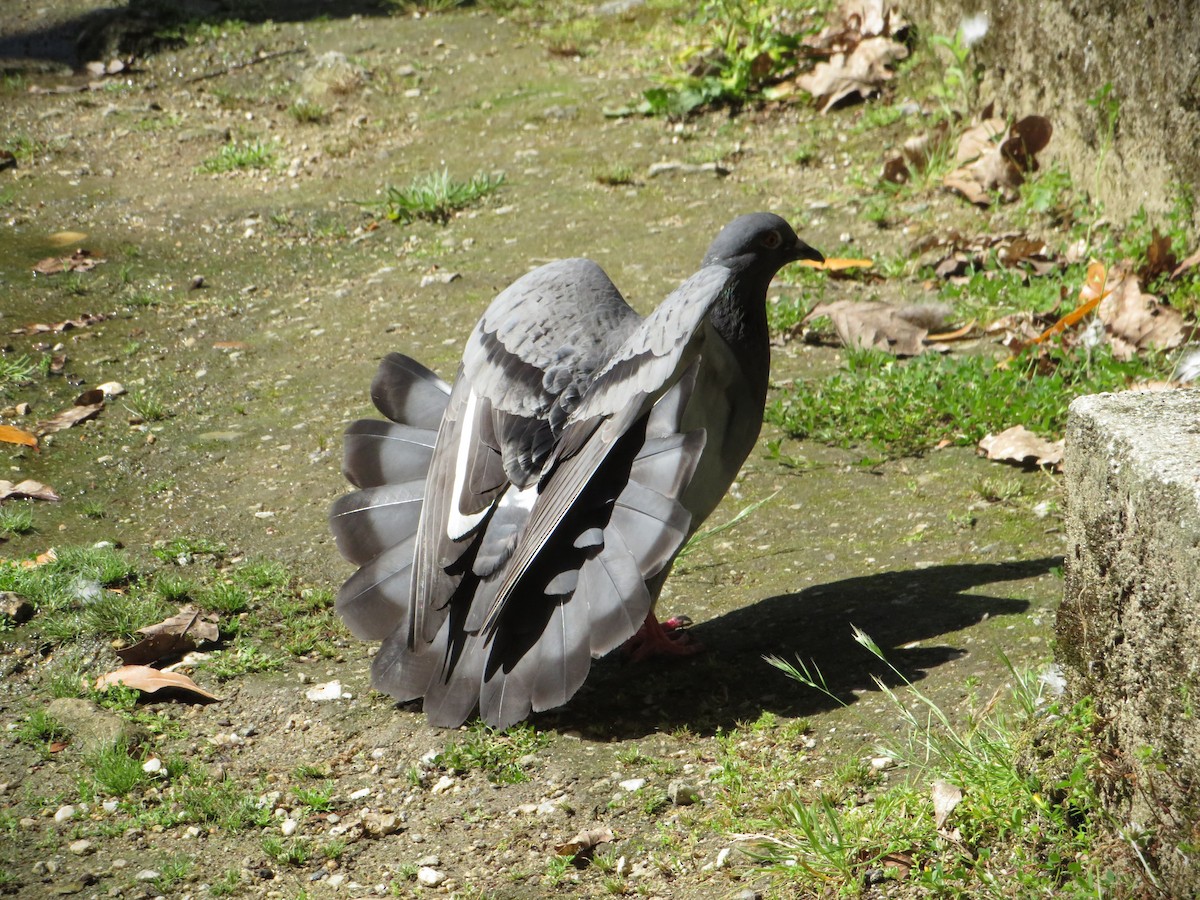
(656,638)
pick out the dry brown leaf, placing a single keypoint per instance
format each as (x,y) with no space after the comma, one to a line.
(1020,445)
(11,435)
(1160,258)
(79,261)
(82,321)
(66,238)
(946,797)
(1138,321)
(860,71)
(585,840)
(898,330)
(27,490)
(836,264)
(87,405)
(148,681)
(986,165)
(171,637)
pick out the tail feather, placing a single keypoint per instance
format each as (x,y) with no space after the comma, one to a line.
(374,601)
(366,523)
(407,392)
(377,452)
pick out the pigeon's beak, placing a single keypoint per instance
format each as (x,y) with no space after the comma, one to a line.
(803,251)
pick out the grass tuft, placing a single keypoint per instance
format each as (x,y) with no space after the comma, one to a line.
(436,196)
(242,155)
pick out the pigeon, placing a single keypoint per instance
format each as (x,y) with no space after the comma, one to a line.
(512,528)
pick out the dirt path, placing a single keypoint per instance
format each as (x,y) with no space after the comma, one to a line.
(263,364)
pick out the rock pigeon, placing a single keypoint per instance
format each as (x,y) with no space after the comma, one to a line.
(513,528)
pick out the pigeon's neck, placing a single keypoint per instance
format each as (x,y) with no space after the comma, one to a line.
(740,317)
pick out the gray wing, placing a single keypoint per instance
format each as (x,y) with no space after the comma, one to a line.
(551,507)
(605,522)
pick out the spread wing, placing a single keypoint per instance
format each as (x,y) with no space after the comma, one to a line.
(551,506)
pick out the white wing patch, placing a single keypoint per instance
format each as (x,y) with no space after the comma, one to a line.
(459,525)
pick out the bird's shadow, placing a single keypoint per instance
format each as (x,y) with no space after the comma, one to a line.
(731,682)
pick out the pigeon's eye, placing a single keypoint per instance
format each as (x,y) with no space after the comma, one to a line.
(771,240)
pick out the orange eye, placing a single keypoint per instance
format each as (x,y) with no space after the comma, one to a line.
(771,240)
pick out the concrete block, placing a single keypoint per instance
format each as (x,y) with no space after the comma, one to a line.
(1129,625)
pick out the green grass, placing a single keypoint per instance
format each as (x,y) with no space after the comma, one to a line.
(906,407)
(305,112)
(148,407)
(1029,822)
(39,729)
(242,155)
(15,371)
(436,196)
(287,852)
(113,771)
(496,753)
(16,518)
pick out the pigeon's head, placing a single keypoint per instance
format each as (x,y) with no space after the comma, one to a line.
(759,241)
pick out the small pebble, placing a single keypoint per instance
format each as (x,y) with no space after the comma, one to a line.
(147,875)
(81,847)
(64,814)
(633,784)
(289,826)
(152,766)
(443,784)
(360,794)
(430,877)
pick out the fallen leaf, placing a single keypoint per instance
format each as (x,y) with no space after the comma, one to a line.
(86,406)
(956,335)
(898,330)
(987,166)
(82,321)
(1091,294)
(946,797)
(148,681)
(66,238)
(79,261)
(1020,445)
(1160,258)
(834,264)
(11,435)
(27,490)
(585,840)
(860,71)
(171,637)
(1138,321)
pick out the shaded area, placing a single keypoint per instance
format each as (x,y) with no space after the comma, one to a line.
(731,682)
(144,26)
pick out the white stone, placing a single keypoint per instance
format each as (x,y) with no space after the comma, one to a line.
(64,814)
(152,766)
(330,690)
(633,784)
(289,826)
(430,877)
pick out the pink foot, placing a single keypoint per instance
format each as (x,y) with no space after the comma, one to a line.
(656,638)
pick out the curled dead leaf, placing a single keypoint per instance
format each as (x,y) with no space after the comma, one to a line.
(86,406)
(987,165)
(82,321)
(880,326)
(1020,445)
(79,261)
(946,797)
(860,71)
(1138,321)
(585,841)
(149,681)
(27,490)
(171,637)
(11,435)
